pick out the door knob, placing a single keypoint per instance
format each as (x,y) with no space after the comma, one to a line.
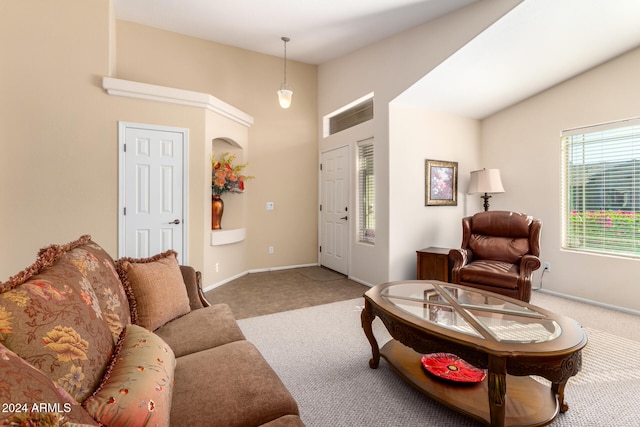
(344,217)
(175,221)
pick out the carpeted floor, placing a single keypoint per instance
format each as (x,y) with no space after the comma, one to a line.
(322,356)
(269,292)
(318,348)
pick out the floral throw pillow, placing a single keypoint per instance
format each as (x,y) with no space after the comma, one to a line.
(30,398)
(99,269)
(52,316)
(137,387)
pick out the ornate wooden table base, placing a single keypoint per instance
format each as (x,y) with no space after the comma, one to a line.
(507,396)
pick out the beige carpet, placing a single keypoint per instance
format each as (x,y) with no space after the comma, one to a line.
(322,356)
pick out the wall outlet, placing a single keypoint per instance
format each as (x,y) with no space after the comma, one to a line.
(269,206)
(546,266)
(270,249)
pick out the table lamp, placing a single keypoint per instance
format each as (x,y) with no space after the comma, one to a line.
(485,181)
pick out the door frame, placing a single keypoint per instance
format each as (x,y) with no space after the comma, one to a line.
(122,128)
(349,148)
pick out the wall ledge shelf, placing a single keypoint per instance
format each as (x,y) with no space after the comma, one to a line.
(226,237)
(131,89)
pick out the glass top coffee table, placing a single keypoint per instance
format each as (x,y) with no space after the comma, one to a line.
(509,339)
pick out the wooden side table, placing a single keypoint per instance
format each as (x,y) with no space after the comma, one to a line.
(433,263)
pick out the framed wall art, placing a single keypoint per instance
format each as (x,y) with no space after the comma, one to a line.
(441,183)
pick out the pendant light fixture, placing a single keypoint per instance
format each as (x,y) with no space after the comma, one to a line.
(285,93)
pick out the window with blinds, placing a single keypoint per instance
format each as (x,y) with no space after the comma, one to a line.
(601,186)
(366,193)
(351,117)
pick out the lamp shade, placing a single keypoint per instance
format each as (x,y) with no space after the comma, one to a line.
(486,181)
(284,96)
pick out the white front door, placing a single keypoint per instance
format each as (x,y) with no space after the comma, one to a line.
(334,214)
(152,190)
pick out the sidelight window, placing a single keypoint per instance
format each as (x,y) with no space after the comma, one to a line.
(366,192)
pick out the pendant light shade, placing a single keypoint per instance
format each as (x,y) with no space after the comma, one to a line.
(285,93)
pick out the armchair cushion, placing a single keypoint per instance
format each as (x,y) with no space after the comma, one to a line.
(502,223)
(507,249)
(492,273)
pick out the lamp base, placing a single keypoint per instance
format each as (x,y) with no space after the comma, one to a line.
(486,198)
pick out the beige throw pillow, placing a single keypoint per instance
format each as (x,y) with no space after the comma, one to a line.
(157,293)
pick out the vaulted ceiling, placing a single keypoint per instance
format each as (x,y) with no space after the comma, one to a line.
(537,45)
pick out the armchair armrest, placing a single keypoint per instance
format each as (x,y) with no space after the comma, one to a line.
(193,282)
(459,258)
(528,264)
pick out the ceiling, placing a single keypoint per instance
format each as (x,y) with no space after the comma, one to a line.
(320,30)
(538,44)
(535,46)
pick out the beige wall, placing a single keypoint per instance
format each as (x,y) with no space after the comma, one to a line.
(387,69)
(59,167)
(282,147)
(417,135)
(524,143)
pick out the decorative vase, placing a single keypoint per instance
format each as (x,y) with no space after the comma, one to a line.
(217,208)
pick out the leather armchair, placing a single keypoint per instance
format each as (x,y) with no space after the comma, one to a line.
(500,251)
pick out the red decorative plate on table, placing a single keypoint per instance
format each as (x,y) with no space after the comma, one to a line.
(450,367)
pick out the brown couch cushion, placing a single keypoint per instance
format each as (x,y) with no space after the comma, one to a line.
(242,389)
(22,386)
(202,329)
(498,248)
(157,293)
(51,316)
(138,384)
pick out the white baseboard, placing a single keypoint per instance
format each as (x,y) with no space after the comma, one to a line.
(255,270)
(362,282)
(288,267)
(222,282)
(588,301)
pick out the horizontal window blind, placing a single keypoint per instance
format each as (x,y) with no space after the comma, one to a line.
(353,116)
(366,193)
(601,185)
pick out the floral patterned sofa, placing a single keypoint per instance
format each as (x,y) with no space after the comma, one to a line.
(85,340)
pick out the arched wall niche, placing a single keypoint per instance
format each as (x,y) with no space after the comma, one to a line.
(225,255)
(229,141)
(233,219)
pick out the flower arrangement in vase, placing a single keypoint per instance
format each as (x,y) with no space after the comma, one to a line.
(225,177)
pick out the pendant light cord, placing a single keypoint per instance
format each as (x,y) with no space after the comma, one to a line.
(285,40)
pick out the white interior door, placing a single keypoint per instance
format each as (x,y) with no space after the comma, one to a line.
(334,214)
(152,186)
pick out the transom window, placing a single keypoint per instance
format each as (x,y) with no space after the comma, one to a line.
(601,188)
